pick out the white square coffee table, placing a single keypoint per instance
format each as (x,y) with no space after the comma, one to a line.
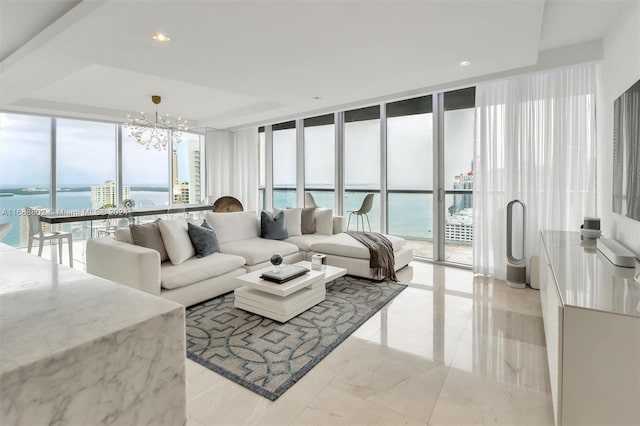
(281,302)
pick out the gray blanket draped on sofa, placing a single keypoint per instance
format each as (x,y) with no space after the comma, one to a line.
(381,258)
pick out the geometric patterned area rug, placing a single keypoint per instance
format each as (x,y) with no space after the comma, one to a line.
(268,357)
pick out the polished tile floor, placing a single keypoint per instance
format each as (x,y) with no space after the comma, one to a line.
(452,349)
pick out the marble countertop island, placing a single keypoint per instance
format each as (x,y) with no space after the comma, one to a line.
(78,349)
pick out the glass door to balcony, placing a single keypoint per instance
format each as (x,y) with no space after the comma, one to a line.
(410,173)
(459,123)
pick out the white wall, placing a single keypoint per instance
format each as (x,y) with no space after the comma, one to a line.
(620,69)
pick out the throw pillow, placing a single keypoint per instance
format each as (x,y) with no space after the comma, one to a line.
(273,227)
(124,235)
(324,221)
(234,226)
(204,240)
(293,219)
(308,220)
(176,240)
(205,224)
(148,235)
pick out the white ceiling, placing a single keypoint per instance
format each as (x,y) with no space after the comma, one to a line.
(230,63)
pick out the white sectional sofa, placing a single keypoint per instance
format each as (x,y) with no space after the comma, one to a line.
(241,250)
(343,251)
(198,279)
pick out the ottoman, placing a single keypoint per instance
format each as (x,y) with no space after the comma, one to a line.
(345,252)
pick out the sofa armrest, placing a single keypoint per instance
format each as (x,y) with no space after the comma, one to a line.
(339,224)
(134,266)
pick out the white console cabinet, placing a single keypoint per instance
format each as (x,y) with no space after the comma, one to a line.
(591,312)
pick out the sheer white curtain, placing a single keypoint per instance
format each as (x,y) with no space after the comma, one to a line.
(536,142)
(232,165)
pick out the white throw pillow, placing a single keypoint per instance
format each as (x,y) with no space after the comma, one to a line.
(234,226)
(324,221)
(293,219)
(176,240)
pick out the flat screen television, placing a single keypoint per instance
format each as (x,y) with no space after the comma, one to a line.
(626,153)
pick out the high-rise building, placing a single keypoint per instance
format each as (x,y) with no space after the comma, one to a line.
(193,149)
(187,191)
(180,190)
(105,195)
(181,193)
(175,179)
(459,222)
(463,201)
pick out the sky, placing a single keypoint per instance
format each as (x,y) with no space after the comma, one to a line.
(409,147)
(85,154)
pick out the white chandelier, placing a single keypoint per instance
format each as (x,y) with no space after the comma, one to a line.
(156,133)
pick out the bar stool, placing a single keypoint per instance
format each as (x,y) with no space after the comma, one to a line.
(36,233)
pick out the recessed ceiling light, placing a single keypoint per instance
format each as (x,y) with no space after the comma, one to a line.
(464,63)
(161,37)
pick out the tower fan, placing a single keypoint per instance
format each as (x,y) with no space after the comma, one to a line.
(516,264)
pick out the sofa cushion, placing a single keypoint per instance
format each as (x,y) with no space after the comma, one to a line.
(148,235)
(308,216)
(257,250)
(303,242)
(324,221)
(123,235)
(273,226)
(204,240)
(197,269)
(234,226)
(176,240)
(344,245)
(293,219)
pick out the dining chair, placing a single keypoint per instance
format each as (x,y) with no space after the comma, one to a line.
(309,201)
(36,233)
(4,229)
(362,212)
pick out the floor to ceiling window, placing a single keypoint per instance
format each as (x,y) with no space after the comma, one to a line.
(25,171)
(410,172)
(186,169)
(85,169)
(145,173)
(284,165)
(459,126)
(343,155)
(319,159)
(362,163)
(85,164)
(84,172)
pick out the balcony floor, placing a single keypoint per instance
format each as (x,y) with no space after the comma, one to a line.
(454,253)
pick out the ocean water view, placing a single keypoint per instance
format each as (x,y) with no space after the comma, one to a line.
(409,215)
(68,201)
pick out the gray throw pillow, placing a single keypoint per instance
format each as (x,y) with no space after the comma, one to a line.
(273,227)
(204,240)
(205,224)
(309,220)
(148,235)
